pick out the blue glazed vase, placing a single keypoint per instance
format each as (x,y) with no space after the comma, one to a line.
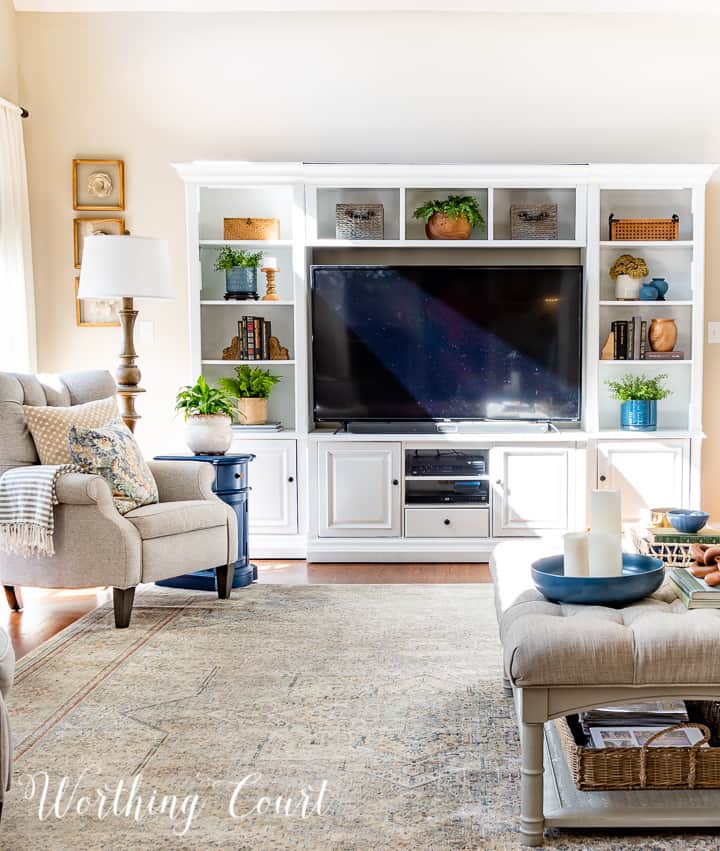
(241,282)
(648,292)
(662,286)
(639,415)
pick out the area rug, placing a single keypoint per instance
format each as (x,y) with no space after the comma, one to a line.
(305,717)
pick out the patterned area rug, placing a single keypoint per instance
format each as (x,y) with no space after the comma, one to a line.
(201,725)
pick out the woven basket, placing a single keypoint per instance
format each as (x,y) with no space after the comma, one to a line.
(359,221)
(533,221)
(252,228)
(597,769)
(674,554)
(644,229)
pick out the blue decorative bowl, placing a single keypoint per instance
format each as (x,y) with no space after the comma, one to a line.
(687,521)
(640,577)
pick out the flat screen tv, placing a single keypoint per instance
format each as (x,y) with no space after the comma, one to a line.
(394,343)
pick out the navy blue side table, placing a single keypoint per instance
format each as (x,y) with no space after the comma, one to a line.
(231,485)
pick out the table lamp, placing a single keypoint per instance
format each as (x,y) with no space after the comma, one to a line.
(126,267)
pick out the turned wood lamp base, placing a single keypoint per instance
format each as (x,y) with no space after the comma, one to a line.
(127,374)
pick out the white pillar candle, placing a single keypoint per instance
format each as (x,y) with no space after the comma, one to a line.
(270,263)
(604,554)
(575,561)
(605,512)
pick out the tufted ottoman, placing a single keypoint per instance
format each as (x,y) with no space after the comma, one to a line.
(7,669)
(560,659)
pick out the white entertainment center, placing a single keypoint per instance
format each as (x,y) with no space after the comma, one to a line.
(332,496)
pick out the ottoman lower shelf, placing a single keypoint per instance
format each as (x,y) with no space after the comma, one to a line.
(568,807)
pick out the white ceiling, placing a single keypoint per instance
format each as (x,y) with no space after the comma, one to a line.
(500,6)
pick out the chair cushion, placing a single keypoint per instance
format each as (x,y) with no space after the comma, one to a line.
(50,426)
(174,518)
(654,641)
(112,452)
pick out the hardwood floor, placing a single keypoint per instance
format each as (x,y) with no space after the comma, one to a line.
(48,611)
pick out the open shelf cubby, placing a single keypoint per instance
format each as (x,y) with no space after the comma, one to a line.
(281,404)
(329,197)
(213,283)
(414,198)
(504,199)
(262,202)
(649,310)
(220,324)
(646,204)
(664,260)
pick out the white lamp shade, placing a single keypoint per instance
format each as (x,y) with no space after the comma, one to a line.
(125,267)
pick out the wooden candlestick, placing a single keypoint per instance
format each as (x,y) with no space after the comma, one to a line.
(128,373)
(271,292)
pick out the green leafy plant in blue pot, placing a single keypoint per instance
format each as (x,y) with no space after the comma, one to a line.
(241,272)
(639,396)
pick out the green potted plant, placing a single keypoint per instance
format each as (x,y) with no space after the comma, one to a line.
(241,272)
(453,218)
(627,272)
(639,396)
(251,387)
(208,417)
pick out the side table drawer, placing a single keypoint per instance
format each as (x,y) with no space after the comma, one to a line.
(447,522)
(231,477)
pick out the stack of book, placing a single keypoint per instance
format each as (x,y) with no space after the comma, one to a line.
(265,427)
(630,342)
(695,593)
(254,335)
(631,725)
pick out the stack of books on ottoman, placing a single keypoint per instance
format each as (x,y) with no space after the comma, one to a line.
(694,591)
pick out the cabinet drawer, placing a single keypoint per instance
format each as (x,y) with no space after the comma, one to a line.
(231,477)
(447,523)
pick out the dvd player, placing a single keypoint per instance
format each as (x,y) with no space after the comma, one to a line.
(444,498)
(457,464)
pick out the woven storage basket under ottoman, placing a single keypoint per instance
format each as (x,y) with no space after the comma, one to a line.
(533,221)
(606,769)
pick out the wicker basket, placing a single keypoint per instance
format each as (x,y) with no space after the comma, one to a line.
(359,221)
(597,769)
(252,229)
(533,221)
(674,554)
(644,229)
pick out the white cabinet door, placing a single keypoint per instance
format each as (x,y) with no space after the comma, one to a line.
(648,473)
(533,490)
(272,504)
(359,490)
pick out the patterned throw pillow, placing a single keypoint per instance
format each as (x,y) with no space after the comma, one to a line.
(111,452)
(50,426)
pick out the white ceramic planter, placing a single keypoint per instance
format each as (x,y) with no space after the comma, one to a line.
(627,288)
(209,434)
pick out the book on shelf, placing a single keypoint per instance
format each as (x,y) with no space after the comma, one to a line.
(630,341)
(274,426)
(692,602)
(674,355)
(664,535)
(643,338)
(254,334)
(695,589)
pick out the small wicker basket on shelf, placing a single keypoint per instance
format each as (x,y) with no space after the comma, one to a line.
(533,221)
(604,769)
(251,229)
(359,221)
(644,229)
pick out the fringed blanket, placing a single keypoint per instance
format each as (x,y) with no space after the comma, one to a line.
(27,497)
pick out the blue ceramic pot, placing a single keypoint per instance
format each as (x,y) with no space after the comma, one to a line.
(648,293)
(639,415)
(241,282)
(662,286)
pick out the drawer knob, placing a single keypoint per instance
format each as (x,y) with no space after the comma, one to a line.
(238,475)
(396,482)
(603,478)
(291,479)
(446,522)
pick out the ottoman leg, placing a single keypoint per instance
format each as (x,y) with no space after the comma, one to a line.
(532,821)
(506,686)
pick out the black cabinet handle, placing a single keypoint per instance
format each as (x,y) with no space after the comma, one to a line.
(603,478)
(396,482)
(498,481)
(291,479)
(446,522)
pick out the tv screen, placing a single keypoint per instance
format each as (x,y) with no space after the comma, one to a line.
(446,342)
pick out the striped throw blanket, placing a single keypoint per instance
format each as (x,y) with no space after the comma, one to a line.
(27,497)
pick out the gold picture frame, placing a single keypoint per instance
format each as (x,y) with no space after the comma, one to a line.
(84,315)
(83,228)
(98,185)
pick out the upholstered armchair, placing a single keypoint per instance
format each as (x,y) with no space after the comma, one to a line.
(189,529)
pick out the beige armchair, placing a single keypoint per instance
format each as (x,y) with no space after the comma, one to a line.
(189,529)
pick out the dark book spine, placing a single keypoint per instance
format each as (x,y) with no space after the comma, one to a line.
(622,342)
(265,354)
(643,339)
(240,340)
(268,334)
(616,350)
(251,337)
(245,338)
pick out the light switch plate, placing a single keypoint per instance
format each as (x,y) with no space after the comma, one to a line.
(713,332)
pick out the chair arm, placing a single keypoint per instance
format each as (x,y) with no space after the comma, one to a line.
(7,663)
(180,480)
(83,489)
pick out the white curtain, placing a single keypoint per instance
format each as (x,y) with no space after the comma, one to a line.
(17,297)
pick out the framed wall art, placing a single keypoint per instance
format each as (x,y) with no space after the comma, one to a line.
(83,228)
(95,312)
(98,185)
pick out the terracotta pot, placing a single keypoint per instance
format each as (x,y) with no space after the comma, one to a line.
(252,411)
(209,434)
(663,335)
(442,226)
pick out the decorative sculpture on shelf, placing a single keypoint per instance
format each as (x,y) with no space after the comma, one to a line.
(277,352)
(270,268)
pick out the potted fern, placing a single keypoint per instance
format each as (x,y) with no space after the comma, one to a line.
(453,218)
(639,396)
(208,417)
(241,272)
(251,387)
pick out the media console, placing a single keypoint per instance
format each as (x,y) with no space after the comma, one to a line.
(334,496)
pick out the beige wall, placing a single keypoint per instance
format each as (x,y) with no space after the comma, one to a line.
(156,88)
(8,52)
